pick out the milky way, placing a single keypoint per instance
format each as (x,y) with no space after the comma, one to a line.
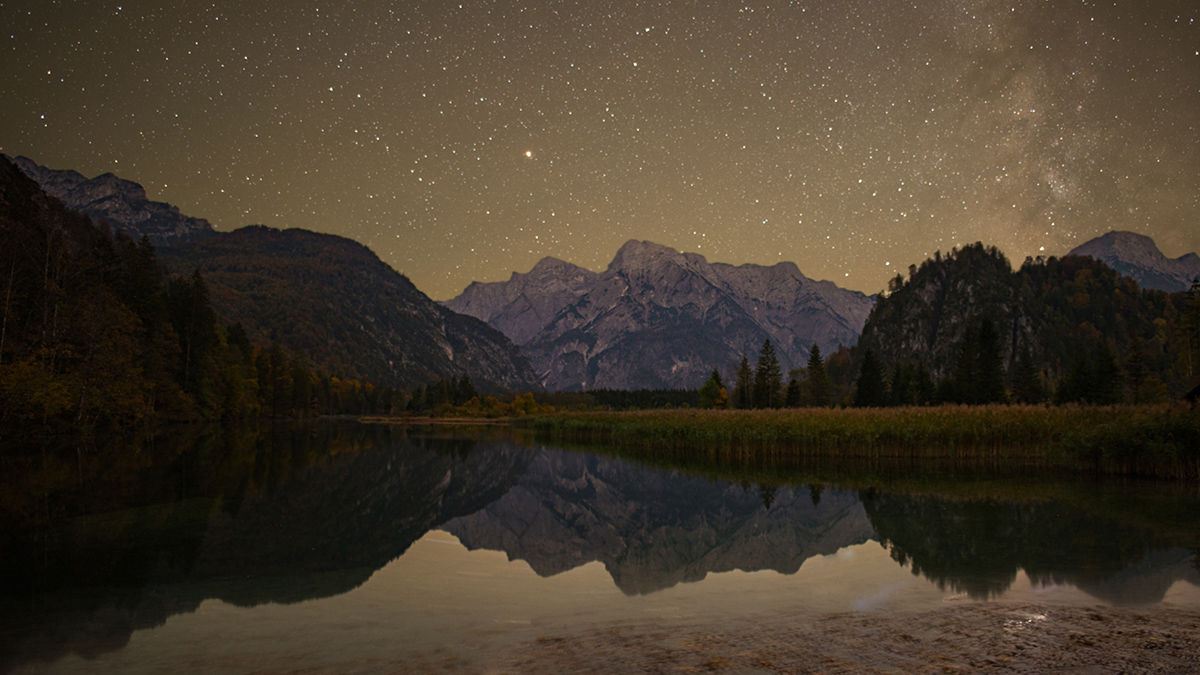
(465,141)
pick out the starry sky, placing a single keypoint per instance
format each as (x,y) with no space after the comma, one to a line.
(465,141)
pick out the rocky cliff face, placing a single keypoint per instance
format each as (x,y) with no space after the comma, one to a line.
(658,318)
(924,320)
(653,529)
(334,300)
(523,305)
(121,203)
(1137,256)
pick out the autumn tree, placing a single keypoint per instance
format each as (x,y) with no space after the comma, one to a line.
(713,394)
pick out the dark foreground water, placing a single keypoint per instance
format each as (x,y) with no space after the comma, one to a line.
(337,547)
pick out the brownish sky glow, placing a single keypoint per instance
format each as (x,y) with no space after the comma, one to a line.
(464,141)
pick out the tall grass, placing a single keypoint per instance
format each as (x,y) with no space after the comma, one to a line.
(1158,441)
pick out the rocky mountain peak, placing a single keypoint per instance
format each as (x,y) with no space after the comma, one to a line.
(122,203)
(521,306)
(1138,256)
(549,268)
(636,254)
(1130,246)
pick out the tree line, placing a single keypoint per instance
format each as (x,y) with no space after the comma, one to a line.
(980,372)
(763,386)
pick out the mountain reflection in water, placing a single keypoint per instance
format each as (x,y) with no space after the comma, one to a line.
(653,529)
(99,543)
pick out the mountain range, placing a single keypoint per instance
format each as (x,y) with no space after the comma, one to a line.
(658,318)
(655,318)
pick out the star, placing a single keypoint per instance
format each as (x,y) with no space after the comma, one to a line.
(840,139)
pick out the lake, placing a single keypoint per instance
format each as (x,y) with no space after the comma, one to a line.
(344,547)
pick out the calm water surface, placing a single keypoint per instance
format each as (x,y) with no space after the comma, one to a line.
(345,547)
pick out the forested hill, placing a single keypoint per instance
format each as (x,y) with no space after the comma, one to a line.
(332,299)
(1074,315)
(94,335)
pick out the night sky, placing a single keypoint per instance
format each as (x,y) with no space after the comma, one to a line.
(465,141)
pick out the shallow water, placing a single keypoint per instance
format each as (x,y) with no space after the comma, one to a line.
(346,548)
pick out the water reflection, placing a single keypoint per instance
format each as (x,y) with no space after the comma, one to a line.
(653,529)
(977,546)
(99,543)
(128,538)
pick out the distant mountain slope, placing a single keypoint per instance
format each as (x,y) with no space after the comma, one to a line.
(1137,256)
(122,203)
(334,300)
(660,318)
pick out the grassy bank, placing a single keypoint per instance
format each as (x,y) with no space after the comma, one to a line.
(1157,441)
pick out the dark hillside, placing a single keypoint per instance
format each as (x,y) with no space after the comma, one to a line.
(1075,315)
(333,299)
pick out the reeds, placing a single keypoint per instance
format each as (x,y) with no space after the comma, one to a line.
(1159,441)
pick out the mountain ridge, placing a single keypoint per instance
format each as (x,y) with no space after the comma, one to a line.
(327,297)
(333,299)
(659,318)
(1137,256)
(121,203)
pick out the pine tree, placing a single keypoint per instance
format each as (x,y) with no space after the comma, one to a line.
(281,383)
(1190,324)
(1106,378)
(795,396)
(1135,367)
(711,391)
(768,381)
(743,391)
(990,366)
(465,391)
(195,323)
(302,389)
(926,390)
(716,377)
(438,394)
(965,386)
(1075,385)
(871,388)
(417,404)
(819,386)
(1027,380)
(904,385)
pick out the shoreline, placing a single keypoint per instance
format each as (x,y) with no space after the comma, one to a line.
(1153,441)
(993,637)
